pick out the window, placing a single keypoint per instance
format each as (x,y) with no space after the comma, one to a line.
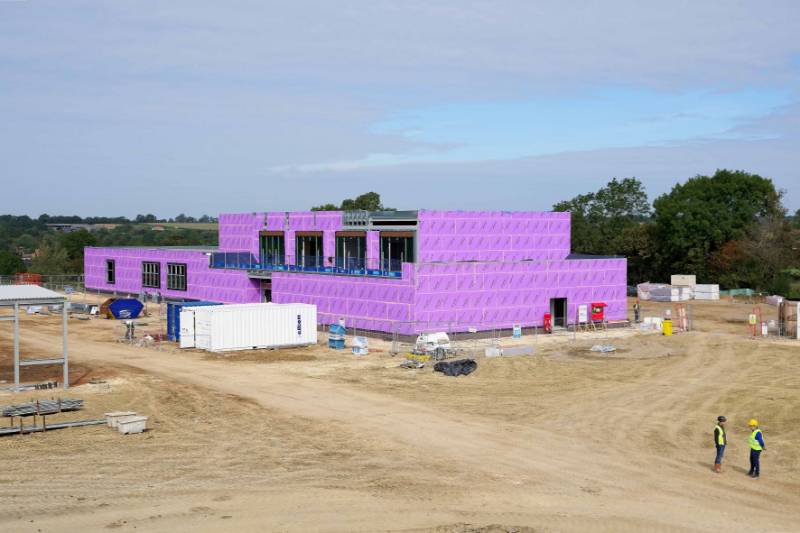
(308,252)
(351,250)
(151,274)
(111,275)
(396,248)
(176,276)
(272,249)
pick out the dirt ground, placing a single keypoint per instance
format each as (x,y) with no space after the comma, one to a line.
(313,439)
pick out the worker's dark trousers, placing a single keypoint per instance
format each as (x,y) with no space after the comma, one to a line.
(755,466)
(720,453)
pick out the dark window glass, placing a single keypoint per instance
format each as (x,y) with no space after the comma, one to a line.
(176,276)
(351,252)
(395,251)
(111,274)
(151,275)
(272,250)
(309,251)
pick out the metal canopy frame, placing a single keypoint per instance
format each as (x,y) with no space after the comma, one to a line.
(64,359)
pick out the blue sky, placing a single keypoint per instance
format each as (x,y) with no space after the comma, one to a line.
(200,107)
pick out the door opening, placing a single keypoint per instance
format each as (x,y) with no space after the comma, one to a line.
(558,310)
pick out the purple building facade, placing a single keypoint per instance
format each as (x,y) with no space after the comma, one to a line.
(405,272)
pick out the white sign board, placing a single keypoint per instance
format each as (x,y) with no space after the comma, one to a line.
(583,314)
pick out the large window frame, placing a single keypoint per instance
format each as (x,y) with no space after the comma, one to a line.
(351,249)
(397,247)
(151,274)
(272,248)
(176,276)
(309,251)
(111,271)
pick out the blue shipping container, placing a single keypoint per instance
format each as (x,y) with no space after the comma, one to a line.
(174,317)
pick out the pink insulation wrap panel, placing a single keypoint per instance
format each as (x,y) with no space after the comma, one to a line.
(203,283)
(492,235)
(365,302)
(498,295)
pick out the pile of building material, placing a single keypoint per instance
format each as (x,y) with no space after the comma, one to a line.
(126,422)
(774,300)
(706,292)
(42,407)
(661,292)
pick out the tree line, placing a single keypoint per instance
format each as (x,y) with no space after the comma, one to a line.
(730,228)
(54,252)
(138,219)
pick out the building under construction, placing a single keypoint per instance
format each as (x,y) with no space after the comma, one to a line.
(389,271)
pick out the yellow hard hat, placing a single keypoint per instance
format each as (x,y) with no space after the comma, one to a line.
(753,422)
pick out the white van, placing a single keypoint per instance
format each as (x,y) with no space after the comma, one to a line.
(429,342)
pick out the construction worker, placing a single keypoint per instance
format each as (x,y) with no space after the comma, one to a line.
(756,447)
(720,441)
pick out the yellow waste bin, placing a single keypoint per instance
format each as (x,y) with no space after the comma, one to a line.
(667,327)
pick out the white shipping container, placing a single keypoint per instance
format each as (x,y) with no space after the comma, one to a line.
(247,326)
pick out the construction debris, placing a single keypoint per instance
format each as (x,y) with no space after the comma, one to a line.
(411,363)
(604,348)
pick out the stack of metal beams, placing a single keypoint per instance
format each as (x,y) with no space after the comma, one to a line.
(43,407)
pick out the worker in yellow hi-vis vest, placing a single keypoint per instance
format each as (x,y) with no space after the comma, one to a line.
(756,447)
(720,441)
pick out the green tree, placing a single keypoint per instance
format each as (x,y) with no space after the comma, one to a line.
(325,207)
(697,218)
(600,218)
(26,241)
(51,258)
(10,263)
(370,201)
(74,243)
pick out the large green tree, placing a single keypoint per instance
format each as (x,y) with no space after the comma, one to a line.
(51,258)
(697,218)
(599,218)
(10,263)
(74,243)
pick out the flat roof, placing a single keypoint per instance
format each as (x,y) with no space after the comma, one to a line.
(15,294)
(165,248)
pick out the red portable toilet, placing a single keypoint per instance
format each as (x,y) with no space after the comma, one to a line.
(598,311)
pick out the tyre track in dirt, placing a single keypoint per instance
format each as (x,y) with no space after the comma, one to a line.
(558,471)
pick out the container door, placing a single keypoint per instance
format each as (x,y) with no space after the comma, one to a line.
(187,329)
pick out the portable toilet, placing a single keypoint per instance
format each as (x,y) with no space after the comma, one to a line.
(174,317)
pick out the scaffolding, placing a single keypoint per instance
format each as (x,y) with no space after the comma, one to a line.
(16,296)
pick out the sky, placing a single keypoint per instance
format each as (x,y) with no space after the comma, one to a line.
(121,107)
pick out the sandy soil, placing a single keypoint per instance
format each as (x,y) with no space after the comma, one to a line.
(318,440)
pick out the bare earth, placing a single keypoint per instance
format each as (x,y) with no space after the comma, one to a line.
(318,440)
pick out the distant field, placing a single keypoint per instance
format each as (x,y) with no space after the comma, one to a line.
(211,226)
